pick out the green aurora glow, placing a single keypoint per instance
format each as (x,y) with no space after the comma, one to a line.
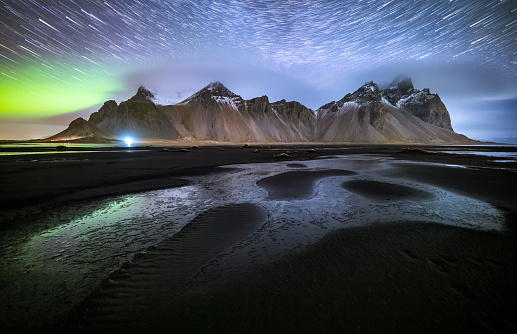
(41,90)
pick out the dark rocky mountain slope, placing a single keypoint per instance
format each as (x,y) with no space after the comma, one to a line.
(424,105)
(81,129)
(368,116)
(138,116)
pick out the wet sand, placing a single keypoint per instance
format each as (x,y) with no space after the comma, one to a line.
(396,276)
(385,191)
(296,185)
(132,295)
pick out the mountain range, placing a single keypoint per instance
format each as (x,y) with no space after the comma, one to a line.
(397,114)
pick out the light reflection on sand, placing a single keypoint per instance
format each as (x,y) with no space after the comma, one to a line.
(71,259)
(77,255)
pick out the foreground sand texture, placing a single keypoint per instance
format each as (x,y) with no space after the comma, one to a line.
(228,239)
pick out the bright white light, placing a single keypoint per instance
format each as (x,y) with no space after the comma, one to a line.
(128,141)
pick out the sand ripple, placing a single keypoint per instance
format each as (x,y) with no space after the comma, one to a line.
(132,295)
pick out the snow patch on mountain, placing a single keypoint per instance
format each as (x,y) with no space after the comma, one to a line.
(233,102)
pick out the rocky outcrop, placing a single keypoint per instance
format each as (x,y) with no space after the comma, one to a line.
(142,94)
(259,106)
(137,117)
(422,104)
(293,110)
(368,98)
(428,107)
(81,129)
(107,111)
(401,87)
(366,101)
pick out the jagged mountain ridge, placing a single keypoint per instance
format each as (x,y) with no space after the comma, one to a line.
(368,116)
(401,87)
(423,104)
(216,113)
(136,116)
(397,114)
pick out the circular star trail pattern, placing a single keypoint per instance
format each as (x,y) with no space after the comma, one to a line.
(59,56)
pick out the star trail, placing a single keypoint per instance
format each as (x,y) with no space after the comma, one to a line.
(63,56)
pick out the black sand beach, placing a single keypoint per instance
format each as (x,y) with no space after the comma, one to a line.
(390,273)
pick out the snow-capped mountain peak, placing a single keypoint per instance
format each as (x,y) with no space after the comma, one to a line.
(218,89)
(143,94)
(398,89)
(214,91)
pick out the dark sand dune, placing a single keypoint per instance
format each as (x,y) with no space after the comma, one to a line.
(129,298)
(296,165)
(385,191)
(297,184)
(391,278)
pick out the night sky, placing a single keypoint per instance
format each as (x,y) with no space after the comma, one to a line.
(62,59)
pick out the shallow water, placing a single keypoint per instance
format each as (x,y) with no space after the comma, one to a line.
(51,271)
(510,155)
